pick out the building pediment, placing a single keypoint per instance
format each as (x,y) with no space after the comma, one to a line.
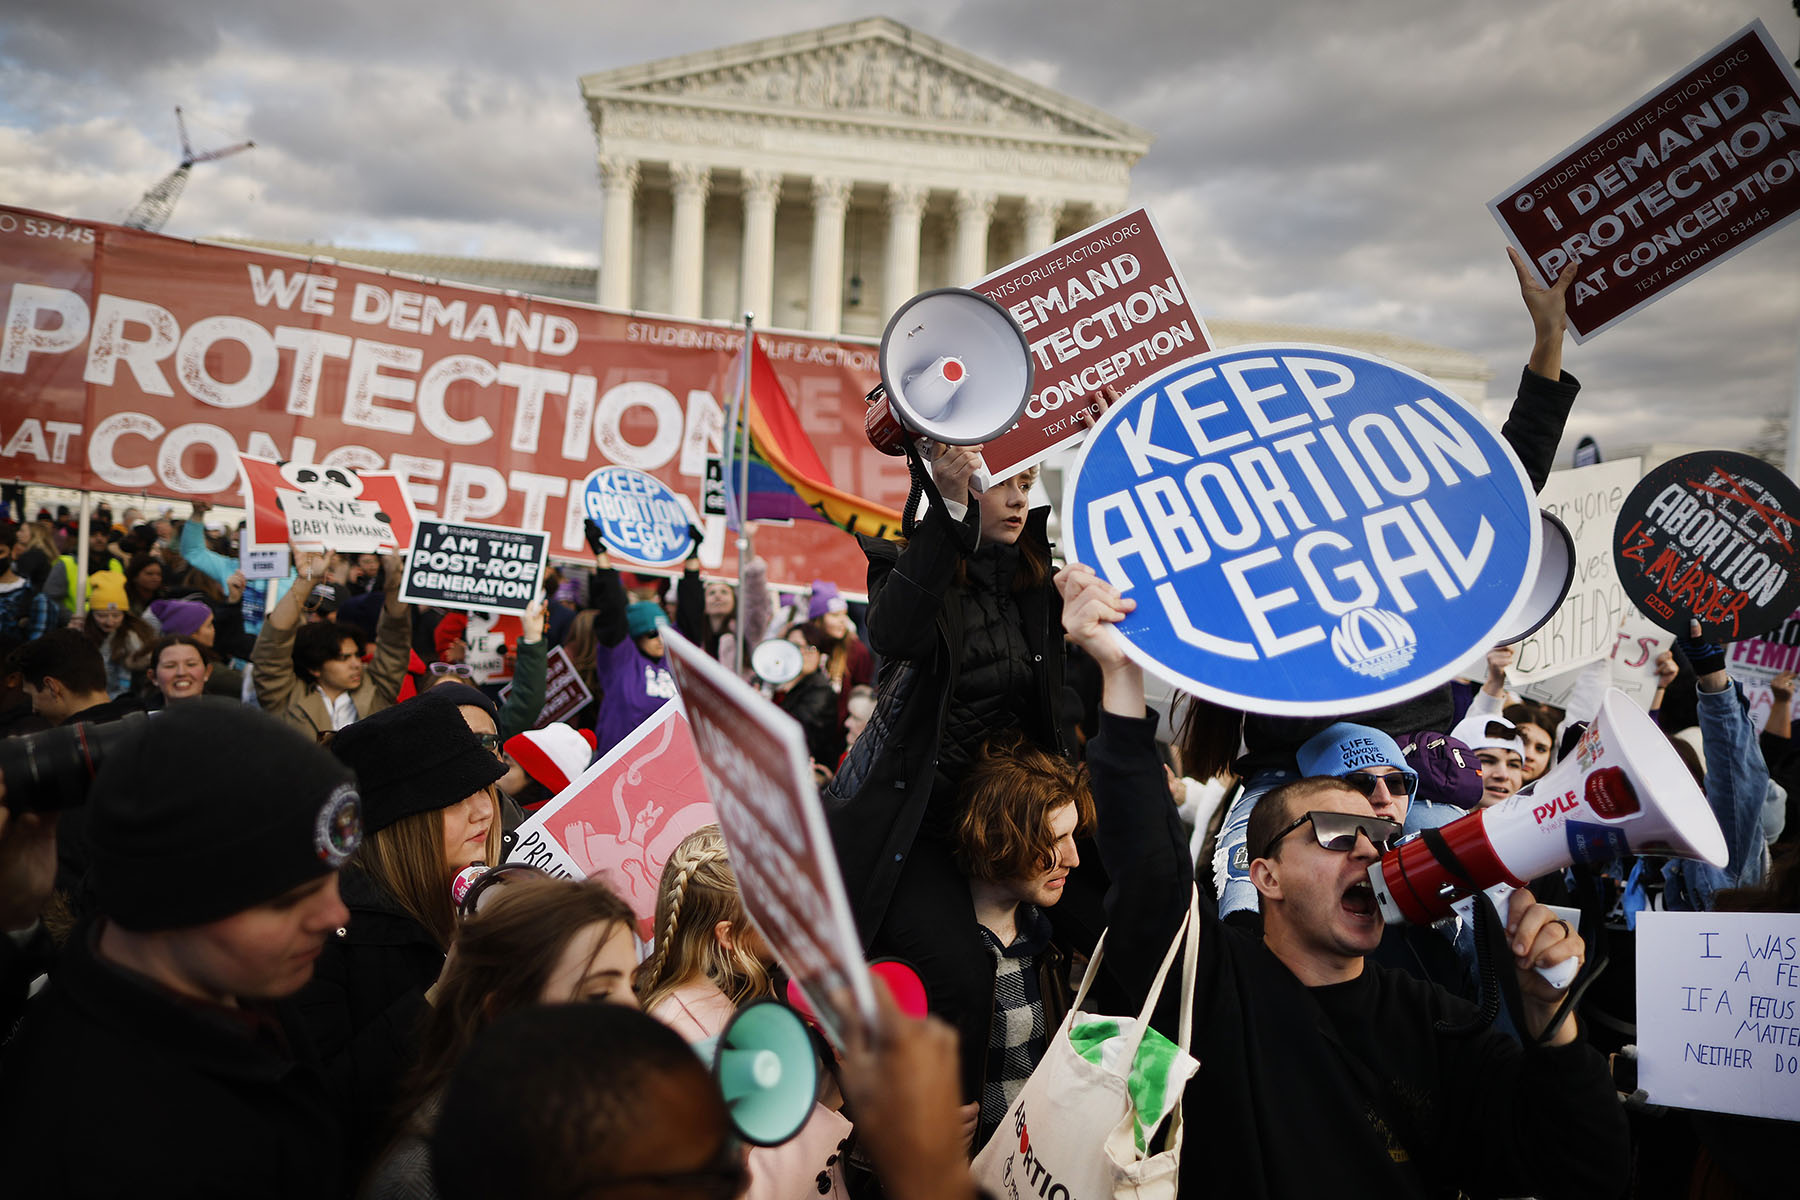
(875,71)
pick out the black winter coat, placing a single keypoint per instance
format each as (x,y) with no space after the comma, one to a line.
(810,701)
(115,1088)
(365,1007)
(877,800)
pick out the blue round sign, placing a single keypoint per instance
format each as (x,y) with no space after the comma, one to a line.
(640,516)
(1307,531)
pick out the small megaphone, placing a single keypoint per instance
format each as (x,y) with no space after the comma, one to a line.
(776,661)
(1622,790)
(1556,571)
(955,368)
(766,1070)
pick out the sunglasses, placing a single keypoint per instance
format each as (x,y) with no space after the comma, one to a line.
(460,670)
(489,742)
(1337,831)
(1400,783)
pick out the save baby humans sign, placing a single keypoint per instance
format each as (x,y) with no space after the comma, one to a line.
(1306,530)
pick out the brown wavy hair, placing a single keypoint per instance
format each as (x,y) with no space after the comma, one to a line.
(505,955)
(1008,798)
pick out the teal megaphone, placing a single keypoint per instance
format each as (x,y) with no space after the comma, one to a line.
(766,1069)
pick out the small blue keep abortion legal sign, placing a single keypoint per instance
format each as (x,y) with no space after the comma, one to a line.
(640,516)
(1307,531)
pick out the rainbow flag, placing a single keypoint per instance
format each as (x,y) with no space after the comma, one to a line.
(787,479)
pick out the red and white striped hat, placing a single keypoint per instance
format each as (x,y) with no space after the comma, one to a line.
(555,755)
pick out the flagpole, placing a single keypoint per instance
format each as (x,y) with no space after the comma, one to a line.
(743,514)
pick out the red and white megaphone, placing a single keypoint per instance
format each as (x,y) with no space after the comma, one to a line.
(1622,790)
(955,368)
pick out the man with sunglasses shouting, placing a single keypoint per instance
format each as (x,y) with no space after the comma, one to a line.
(1322,1071)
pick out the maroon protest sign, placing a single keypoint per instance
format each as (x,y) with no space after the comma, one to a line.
(565,693)
(1103,306)
(760,779)
(1694,171)
(1711,536)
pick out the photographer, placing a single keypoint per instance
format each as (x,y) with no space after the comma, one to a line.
(163,1036)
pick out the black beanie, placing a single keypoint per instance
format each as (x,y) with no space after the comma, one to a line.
(414,757)
(215,809)
(454,693)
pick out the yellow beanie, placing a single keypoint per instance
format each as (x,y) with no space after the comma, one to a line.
(106,589)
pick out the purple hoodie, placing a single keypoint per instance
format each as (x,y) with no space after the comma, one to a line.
(632,686)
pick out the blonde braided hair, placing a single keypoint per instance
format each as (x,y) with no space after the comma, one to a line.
(699,890)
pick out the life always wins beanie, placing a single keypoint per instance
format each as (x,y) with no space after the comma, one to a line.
(1344,747)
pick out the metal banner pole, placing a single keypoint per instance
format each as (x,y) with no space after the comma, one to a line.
(81,552)
(743,514)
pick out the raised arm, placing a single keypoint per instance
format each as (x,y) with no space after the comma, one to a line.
(1737,779)
(905,593)
(1546,394)
(1139,834)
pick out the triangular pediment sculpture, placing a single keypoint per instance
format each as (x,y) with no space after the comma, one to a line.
(875,69)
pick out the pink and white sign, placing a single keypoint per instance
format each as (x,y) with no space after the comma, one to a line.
(626,814)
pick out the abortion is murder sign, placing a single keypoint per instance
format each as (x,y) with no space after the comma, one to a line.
(1710,537)
(1306,530)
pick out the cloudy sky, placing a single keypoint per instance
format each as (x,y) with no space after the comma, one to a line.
(1316,161)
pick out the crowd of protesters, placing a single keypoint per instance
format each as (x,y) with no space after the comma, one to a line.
(244,956)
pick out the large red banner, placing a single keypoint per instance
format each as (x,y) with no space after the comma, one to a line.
(135,362)
(1704,166)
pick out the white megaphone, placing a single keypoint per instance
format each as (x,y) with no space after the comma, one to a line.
(1556,571)
(1622,790)
(767,1071)
(955,368)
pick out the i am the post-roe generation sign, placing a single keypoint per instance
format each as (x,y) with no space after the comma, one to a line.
(1307,531)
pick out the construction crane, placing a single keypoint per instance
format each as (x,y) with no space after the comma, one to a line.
(152,212)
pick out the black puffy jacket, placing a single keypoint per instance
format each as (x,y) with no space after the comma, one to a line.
(916,624)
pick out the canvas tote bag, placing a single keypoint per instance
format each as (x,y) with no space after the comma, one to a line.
(1077,1130)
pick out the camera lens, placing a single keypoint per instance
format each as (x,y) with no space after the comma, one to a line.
(52,770)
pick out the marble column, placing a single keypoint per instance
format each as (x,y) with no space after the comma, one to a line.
(689,182)
(973,211)
(905,205)
(618,193)
(826,307)
(1041,215)
(762,190)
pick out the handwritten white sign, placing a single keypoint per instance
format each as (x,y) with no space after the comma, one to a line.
(1587,500)
(1718,1011)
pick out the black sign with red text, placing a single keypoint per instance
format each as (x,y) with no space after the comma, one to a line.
(1711,536)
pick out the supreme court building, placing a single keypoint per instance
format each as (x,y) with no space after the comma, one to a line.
(819,179)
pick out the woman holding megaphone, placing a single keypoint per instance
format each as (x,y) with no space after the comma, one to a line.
(967,623)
